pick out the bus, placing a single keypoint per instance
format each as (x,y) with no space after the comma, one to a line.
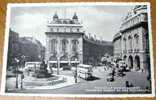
(84,71)
(32,66)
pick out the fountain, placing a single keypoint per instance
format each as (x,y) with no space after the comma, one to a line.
(41,78)
(42,72)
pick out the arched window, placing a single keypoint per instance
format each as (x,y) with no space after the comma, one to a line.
(146,43)
(78,29)
(53,46)
(130,42)
(64,45)
(74,45)
(124,39)
(71,30)
(51,29)
(57,29)
(64,29)
(136,37)
(137,62)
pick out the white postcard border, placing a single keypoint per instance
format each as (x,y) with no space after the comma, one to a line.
(5,51)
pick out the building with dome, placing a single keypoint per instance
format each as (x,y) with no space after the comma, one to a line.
(131,43)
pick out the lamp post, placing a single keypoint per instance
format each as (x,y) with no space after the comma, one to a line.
(76,71)
(58,66)
(23,61)
(22,75)
(17,62)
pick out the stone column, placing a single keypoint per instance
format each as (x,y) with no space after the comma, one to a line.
(69,51)
(58,55)
(58,66)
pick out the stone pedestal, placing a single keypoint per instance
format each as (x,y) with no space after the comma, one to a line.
(43,72)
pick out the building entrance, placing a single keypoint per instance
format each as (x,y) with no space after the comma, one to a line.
(130,62)
(137,62)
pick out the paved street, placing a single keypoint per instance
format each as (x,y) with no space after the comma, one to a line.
(99,85)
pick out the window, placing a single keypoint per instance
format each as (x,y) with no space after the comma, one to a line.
(146,42)
(130,42)
(74,45)
(51,29)
(64,29)
(71,30)
(53,44)
(78,30)
(64,22)
(57,29)
(124,43)
(136,38)
(64,45)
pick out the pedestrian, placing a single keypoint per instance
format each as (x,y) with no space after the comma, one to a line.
(105,68)
(127,84)
(22,77)
(113,72)
(75,76)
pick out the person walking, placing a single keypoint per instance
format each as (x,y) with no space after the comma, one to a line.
(75,76)
(22,77)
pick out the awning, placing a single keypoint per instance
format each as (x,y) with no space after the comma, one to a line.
(52,61)
(74,61)
(64,61)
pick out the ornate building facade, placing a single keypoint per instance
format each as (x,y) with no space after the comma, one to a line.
(117,41)
(67,44)
(132,42)
(64,41)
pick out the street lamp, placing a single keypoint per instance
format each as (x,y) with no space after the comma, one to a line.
(23,61)
(58,66)
(22,75)
(76,70)
(17,62)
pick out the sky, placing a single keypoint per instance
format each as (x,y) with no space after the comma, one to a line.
(100,20)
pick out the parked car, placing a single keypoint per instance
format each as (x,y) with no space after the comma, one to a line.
(122,65)
(120,73)
(110,78)
(66,67)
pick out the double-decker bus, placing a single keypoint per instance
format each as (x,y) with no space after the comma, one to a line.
(84,71)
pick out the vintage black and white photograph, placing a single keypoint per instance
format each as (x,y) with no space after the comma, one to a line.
(78,49)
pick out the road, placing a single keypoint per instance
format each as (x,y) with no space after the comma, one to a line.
(97,86)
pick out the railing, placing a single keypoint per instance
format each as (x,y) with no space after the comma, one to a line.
(130,51)
(136,50)
(124,51)
(134,21)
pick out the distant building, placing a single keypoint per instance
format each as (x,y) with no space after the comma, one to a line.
(13,47)
(31,48)
(132,42)
(94,50)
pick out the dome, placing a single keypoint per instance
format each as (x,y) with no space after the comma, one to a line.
(55,16)
(75,16)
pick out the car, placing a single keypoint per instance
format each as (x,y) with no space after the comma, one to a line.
(111,71)
(110,78)
(122,65)
(120,73)
(67,67)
